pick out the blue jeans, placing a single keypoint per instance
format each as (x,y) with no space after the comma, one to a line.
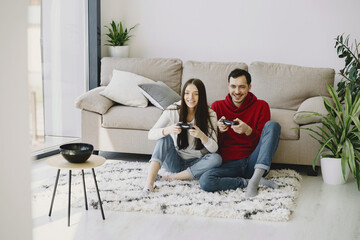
(233,174)
(166,154)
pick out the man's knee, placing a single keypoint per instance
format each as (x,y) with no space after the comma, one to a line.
(216,160)
(206,182)
(273,126)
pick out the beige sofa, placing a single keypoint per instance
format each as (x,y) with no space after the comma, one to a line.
(287,89)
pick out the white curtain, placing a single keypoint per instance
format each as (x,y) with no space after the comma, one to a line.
(65,61)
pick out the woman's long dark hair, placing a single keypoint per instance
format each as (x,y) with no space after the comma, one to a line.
(202,116)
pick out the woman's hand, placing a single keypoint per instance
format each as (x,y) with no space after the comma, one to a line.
(173,129)
(197,133)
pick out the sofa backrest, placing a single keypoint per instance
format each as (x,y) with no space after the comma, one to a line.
(213,74)
(283,86)
(167,70)
(286,86)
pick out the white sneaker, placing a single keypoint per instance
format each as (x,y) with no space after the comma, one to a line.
(146,191)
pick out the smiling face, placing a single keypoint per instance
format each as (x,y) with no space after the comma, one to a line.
(191,96)
(238,89)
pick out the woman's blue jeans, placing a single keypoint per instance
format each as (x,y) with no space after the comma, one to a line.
(233,174)
(166,154)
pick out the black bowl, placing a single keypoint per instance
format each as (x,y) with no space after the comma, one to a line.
(76,152)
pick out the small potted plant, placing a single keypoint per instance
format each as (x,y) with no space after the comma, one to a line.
(118,36)
(340,137)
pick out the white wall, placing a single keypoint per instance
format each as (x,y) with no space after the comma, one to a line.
(15,162)
(298,32)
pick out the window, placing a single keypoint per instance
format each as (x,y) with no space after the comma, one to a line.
(57,70)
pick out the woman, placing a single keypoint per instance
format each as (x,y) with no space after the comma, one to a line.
(185,152)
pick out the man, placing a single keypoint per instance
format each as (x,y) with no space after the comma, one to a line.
(248,147)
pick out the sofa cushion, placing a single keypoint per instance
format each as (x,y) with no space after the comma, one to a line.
(123,88)
(127,117)
(285,119)
(158,69)
(159,94)
(286,86)
(213,74)
(93,101)
(314,104)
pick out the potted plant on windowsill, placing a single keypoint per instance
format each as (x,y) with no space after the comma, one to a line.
(118,37)
(340,137)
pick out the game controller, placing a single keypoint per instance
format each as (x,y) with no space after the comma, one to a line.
(229,123)
(185,125)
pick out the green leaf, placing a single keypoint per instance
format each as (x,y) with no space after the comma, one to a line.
(118,35)
(353,72)
(347,40)
(357,176)
(349,157)
(355,108)
(342,55)
(348,59)
(320,136)
(334,96)
(348,103)
(323,132)
(356,122)
(320,150)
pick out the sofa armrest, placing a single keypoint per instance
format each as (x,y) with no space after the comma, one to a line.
(313,104)
(93,101)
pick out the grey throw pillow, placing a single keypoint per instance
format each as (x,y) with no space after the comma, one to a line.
(159,94)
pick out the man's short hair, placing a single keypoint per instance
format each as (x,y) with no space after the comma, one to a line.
(238,73)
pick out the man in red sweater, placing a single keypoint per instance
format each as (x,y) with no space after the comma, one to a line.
(247,144)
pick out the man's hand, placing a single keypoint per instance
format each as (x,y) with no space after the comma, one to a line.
(241,127)
(222,127)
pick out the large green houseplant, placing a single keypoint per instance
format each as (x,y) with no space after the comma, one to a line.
(118,36)
(351,71)
(341,132)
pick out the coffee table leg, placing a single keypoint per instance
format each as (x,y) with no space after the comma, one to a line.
(97,190)
(69,198)
(53,196)
(86,205)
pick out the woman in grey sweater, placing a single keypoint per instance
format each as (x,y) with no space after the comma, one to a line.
(186,151)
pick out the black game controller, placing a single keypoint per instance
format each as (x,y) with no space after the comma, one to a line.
(229,123)
(185,125)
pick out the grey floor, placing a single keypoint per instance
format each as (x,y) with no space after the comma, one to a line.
(323,212)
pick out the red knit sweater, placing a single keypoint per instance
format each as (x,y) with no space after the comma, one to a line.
(253,112)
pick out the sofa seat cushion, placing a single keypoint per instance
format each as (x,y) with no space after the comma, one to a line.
(285,119)
(126,117)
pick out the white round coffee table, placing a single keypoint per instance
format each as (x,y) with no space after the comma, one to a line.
(61,163)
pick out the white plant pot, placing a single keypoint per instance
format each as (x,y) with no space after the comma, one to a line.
(331,171)
(119,51)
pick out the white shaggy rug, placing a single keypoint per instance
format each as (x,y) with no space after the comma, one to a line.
(120,184)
